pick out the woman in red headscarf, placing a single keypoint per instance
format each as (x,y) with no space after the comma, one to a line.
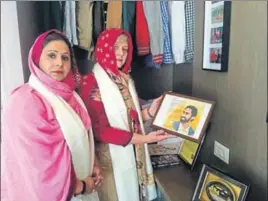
(117,120)
(47,143)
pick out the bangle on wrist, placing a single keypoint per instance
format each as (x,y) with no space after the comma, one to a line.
(151,116)
(83,188)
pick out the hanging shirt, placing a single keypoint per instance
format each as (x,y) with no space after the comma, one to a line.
(152,13)
(70,22)
(190,30)
(129,21)
(49,15)
(142,31)
(150,63)
(84,23)
(98,19)
(129,17)
(177,22)
(167,58)
(114,14)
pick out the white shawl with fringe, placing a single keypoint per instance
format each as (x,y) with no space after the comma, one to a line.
(123,158)
(74,133)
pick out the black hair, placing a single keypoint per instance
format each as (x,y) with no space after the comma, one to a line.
(54,36)
(193,109)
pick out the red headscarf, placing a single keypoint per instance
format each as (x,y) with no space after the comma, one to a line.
(104,51)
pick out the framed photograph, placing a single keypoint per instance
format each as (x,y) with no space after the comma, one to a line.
(187,150)
(190,151)
(217,18)
(214,185)
(183,116)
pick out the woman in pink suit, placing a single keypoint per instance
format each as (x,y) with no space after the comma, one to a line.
(47,143)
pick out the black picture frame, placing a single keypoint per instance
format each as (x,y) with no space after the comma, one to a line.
(216,38)
(213,182)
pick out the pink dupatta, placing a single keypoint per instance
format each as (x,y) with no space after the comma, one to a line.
(36,161)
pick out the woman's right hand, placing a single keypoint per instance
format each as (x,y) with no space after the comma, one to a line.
(154,136)
(90,186)
(158,135)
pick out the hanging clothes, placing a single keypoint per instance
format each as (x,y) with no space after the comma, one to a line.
(129,17)
(105,9)
(129,21)
(62,13)
(167,58)
(98,20)
(152,13)
(150,63)
(69,27)
(84,23)
(190,30)
(49,15)
(177,22)
(114,14)
(142,31)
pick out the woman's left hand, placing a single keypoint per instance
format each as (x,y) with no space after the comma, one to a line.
(154,106)
(97,175)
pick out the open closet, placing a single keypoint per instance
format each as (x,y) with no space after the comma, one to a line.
(151,82)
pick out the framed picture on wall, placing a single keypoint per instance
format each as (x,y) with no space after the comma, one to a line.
(215,185)
(217,18)
(184,116)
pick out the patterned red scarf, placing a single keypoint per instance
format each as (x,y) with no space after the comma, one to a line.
(104,51)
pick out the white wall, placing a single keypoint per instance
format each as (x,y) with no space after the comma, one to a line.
(11,61)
